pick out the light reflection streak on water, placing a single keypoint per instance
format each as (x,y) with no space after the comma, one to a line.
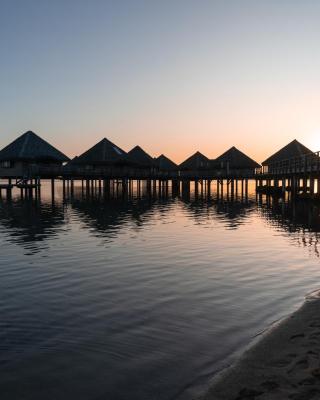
(132,297)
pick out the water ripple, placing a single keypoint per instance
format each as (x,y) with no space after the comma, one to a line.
(143,298)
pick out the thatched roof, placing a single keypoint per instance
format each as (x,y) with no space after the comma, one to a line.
(138,155)
(165,164)
(196,161)
(235,159)
(103,153)
(292,150)
(31,147)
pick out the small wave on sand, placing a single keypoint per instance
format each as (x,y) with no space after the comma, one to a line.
(284,364)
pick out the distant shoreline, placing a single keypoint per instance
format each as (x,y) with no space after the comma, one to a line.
(284,364)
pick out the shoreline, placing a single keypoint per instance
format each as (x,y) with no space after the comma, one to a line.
(283,364)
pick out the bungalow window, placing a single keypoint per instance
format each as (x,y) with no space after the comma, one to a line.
(6,164)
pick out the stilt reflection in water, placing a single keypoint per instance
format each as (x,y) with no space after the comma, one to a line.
(112,294)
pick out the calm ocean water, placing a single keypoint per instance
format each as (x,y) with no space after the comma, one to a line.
(143,298)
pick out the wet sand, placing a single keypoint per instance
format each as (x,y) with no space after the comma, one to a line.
(284,364)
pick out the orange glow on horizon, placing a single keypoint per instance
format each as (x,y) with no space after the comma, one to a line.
(178,150)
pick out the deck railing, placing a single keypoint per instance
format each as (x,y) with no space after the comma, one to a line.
(307,163)
(137,173)
(216,173)
(114,172)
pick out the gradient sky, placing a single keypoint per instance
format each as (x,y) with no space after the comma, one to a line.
(172,76)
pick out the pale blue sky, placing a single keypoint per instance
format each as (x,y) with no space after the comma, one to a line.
(172,76)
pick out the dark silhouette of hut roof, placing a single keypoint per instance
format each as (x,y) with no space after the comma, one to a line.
(68,168)
(196,161)
(103,153)
(292,150)
(165,164)
(236,159)
(31,147)
(138,155)
(73,161)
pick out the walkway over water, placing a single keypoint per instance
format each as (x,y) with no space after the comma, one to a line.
(298,175)
(29,159)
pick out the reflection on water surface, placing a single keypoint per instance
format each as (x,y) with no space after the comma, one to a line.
(143,297)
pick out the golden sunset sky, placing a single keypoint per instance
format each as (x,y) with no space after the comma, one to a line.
(171,76)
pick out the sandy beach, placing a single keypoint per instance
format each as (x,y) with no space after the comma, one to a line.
(284,364)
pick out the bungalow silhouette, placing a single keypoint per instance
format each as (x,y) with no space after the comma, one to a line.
(234,163)
(194,165)
(144,163)
(166,167)
(30,156)
(293,155)
(70,167)
(101,160)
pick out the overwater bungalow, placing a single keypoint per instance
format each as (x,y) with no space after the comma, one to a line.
(293,155)
(70,166)
(102,160)
(194,165)
(143,161)
(30,156)
(234,162)
(166,167)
